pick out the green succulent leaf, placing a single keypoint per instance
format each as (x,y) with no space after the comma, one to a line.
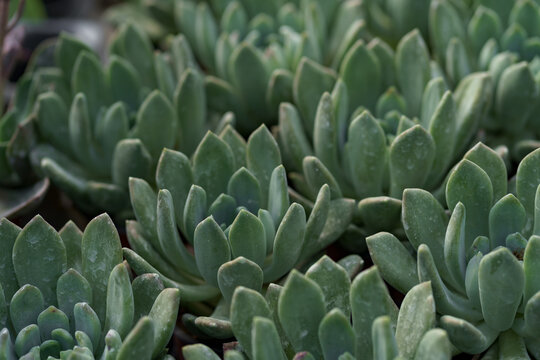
(299,318)
(39,257)
(101,252)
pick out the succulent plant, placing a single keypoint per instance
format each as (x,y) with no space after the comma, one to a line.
(100,125)
(420,131)
(230,203)
(483,262)
(319,326)
(68,295)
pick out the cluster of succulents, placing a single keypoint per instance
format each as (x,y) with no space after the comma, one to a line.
(244,231)
(68,295)
(278,326)
(369,144)
(247,146)
(482,262)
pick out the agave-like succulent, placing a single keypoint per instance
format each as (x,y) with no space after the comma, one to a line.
(336,139)
(100,125)
(68,295)
(483,263)
(319,327)
(231,204)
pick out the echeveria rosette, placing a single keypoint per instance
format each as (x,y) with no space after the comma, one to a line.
(419,131)
(103,124)
(483,262)
(68,295)
(278,326)
(230,203)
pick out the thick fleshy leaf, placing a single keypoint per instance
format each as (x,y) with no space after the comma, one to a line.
(39,257)
(411,157)
(213,160)
(531,268)
(336,335)
(384,342)
(412,70)
(174,174)
(8,279)
(393,260)
(246,305)
(500,302)
(211,249)
(88,78)
(416,318)
(190,104)
(288,243)
(516,93)
(101,252)
(156,124)
(52,120)
(25,306)
(120,306)
(454,245)
(66,52)
(365,152)
(265,340)
(88,323)
(292,138)
(361,72)
(50,319)
(434,345)
(334,283)
(300,320)
(72,288)
(262,156)
(506,217)
(130,159)
(325,136)
(493,165)
(527,181)
(470,185)
(124,82)
(369,299)
(442,128)
(447,302)
(163,315)
(195,211)
(317,175)
(247,238)
(310,82)
(199,352)
(140,341)
(239,272)
(245,188)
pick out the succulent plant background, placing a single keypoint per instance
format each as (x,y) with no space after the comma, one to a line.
(68,295)
(242,228)
(241,139)
(482,262)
